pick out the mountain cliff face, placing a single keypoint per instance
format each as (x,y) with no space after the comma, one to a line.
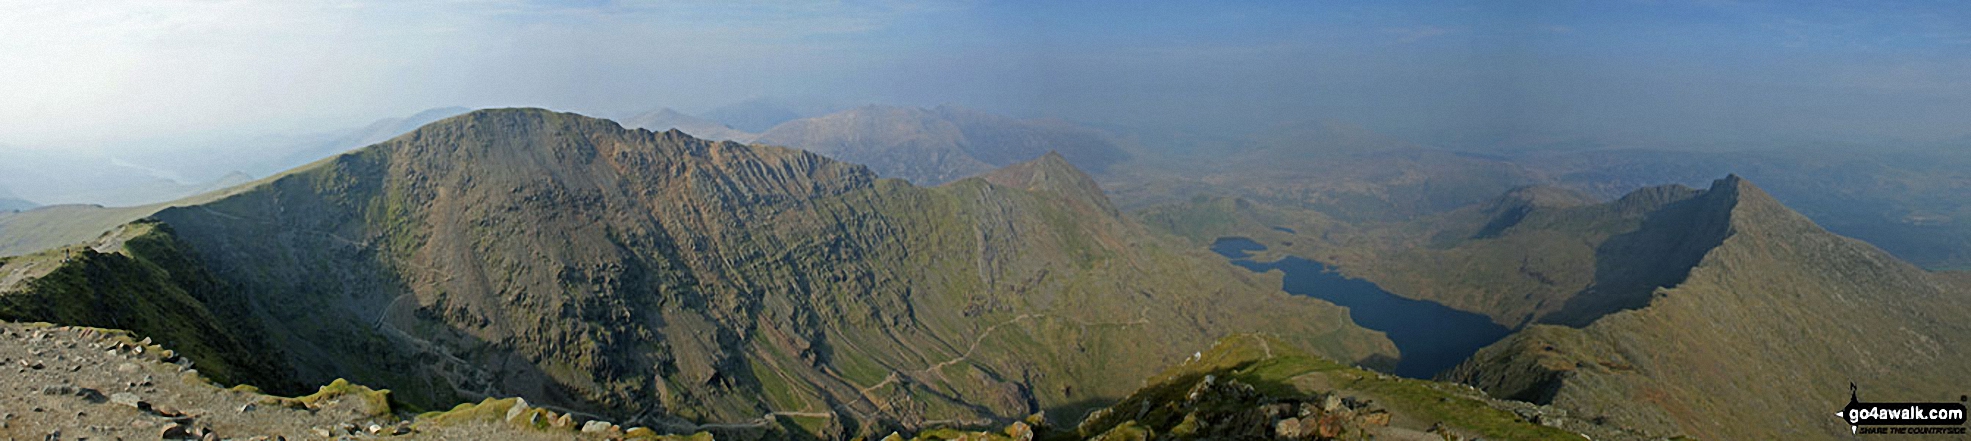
(934,146)
(669,281)
(1775,317)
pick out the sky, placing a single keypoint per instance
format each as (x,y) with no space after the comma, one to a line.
(111,77)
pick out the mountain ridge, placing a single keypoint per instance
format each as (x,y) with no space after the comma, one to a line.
(1775,280)
(588,266)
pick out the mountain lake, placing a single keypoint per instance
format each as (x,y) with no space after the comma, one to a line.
(1431,337)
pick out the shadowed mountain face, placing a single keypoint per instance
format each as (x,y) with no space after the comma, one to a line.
(670,281)
(1759,341)
(934,146)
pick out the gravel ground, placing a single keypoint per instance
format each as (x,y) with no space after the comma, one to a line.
(69,383)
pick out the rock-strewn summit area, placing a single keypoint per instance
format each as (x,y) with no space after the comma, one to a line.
(63,382)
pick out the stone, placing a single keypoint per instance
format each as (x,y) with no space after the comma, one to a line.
(126,367)
(1020,431)
(564,422)
(519,406)
(129,399)
(1549,421)
(1329,426)
(1331,402)
(175,431)
(1287,428)
(1376,418)
(595,426)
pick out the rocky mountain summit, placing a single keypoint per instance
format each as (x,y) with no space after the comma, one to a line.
(666,281)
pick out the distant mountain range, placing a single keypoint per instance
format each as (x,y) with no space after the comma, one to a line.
(761,114)
(923,146)
(140,178)
(10,202)
(934,146)
(667,119)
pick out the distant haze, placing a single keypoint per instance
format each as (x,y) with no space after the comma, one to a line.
(114,77)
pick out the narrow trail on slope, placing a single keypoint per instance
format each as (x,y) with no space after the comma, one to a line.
(1263,345)
(1143,318)
(328,234)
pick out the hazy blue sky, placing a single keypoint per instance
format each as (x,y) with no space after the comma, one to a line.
(134,74)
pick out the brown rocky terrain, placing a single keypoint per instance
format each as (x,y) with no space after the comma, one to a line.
(73,383)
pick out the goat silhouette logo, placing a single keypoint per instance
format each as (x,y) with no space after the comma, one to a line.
(1862,416)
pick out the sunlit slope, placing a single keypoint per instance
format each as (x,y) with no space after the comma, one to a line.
(1759,342)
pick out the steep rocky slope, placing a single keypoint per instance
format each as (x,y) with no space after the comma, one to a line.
(1760,340)
(663,280)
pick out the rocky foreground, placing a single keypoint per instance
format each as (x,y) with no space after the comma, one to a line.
(73,383)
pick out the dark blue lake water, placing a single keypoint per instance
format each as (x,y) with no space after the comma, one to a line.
(1431,337)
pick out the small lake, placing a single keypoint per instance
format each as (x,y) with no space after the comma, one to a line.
(1432,337)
